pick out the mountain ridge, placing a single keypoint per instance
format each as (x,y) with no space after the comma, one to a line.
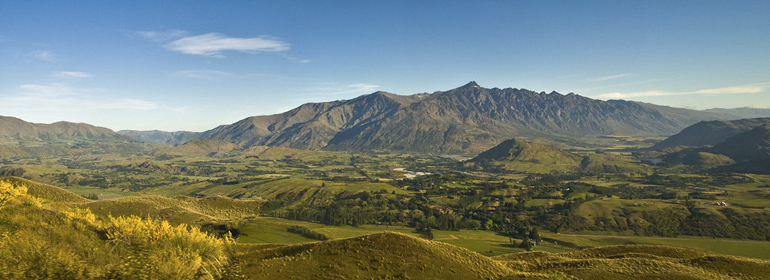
(709,133)
(464,120)
(746,151)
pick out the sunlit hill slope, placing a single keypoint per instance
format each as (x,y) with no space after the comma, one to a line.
(49,233)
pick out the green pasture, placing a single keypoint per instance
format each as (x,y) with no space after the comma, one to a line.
(273,230)
(745,248)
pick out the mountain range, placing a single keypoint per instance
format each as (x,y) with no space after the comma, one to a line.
(465,120)
(743,112)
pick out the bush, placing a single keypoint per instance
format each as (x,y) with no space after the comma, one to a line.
(8,191)
(158,249)
(306,232)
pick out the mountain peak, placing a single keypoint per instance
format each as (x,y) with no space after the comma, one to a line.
(472,84)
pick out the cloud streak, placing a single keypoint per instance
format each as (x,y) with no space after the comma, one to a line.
(213,44)
(336,89)
(46,56)
(203,74)
(612,77)
(744,89)
(71,74)
(162,36)
(63,98)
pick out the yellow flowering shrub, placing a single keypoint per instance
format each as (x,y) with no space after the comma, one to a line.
(8,191)
(157,249)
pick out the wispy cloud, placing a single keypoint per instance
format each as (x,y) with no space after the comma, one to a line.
(752,88)
(300,60)
(180,110)
(71,74)
(46,56)
(611,77)
(615,85)
(59,97)
(163,36)
(338,89)
(213,44)
(203,74)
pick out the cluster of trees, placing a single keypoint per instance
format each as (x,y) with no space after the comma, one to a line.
(511,215)
(307,232)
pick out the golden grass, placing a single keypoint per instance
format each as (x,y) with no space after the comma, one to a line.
(179,209)
(43,191)
(380,255)
(638,262)
(46,233)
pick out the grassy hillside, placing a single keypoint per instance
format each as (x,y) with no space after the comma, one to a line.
(48,233)
(638,262)
(370,256)
(200,147)
(530,156)
(179,209)
(610,163)
(399,256)
(43,239)
(43,191)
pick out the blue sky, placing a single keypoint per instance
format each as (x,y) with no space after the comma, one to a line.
(194,65)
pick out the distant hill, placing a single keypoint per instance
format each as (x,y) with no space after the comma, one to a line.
(699,158)
(202,147)
(528,155)
(709,133)
(748,151)
(534,156)
(17,130)
(610,163)
(747,146)
(466,120)
(157,136)
(743,113)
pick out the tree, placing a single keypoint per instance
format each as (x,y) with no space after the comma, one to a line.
(534,235)
(527,244)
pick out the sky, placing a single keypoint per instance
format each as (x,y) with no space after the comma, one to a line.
(194,65)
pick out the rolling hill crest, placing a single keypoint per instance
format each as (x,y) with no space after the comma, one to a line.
(14,129)
(466,120)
